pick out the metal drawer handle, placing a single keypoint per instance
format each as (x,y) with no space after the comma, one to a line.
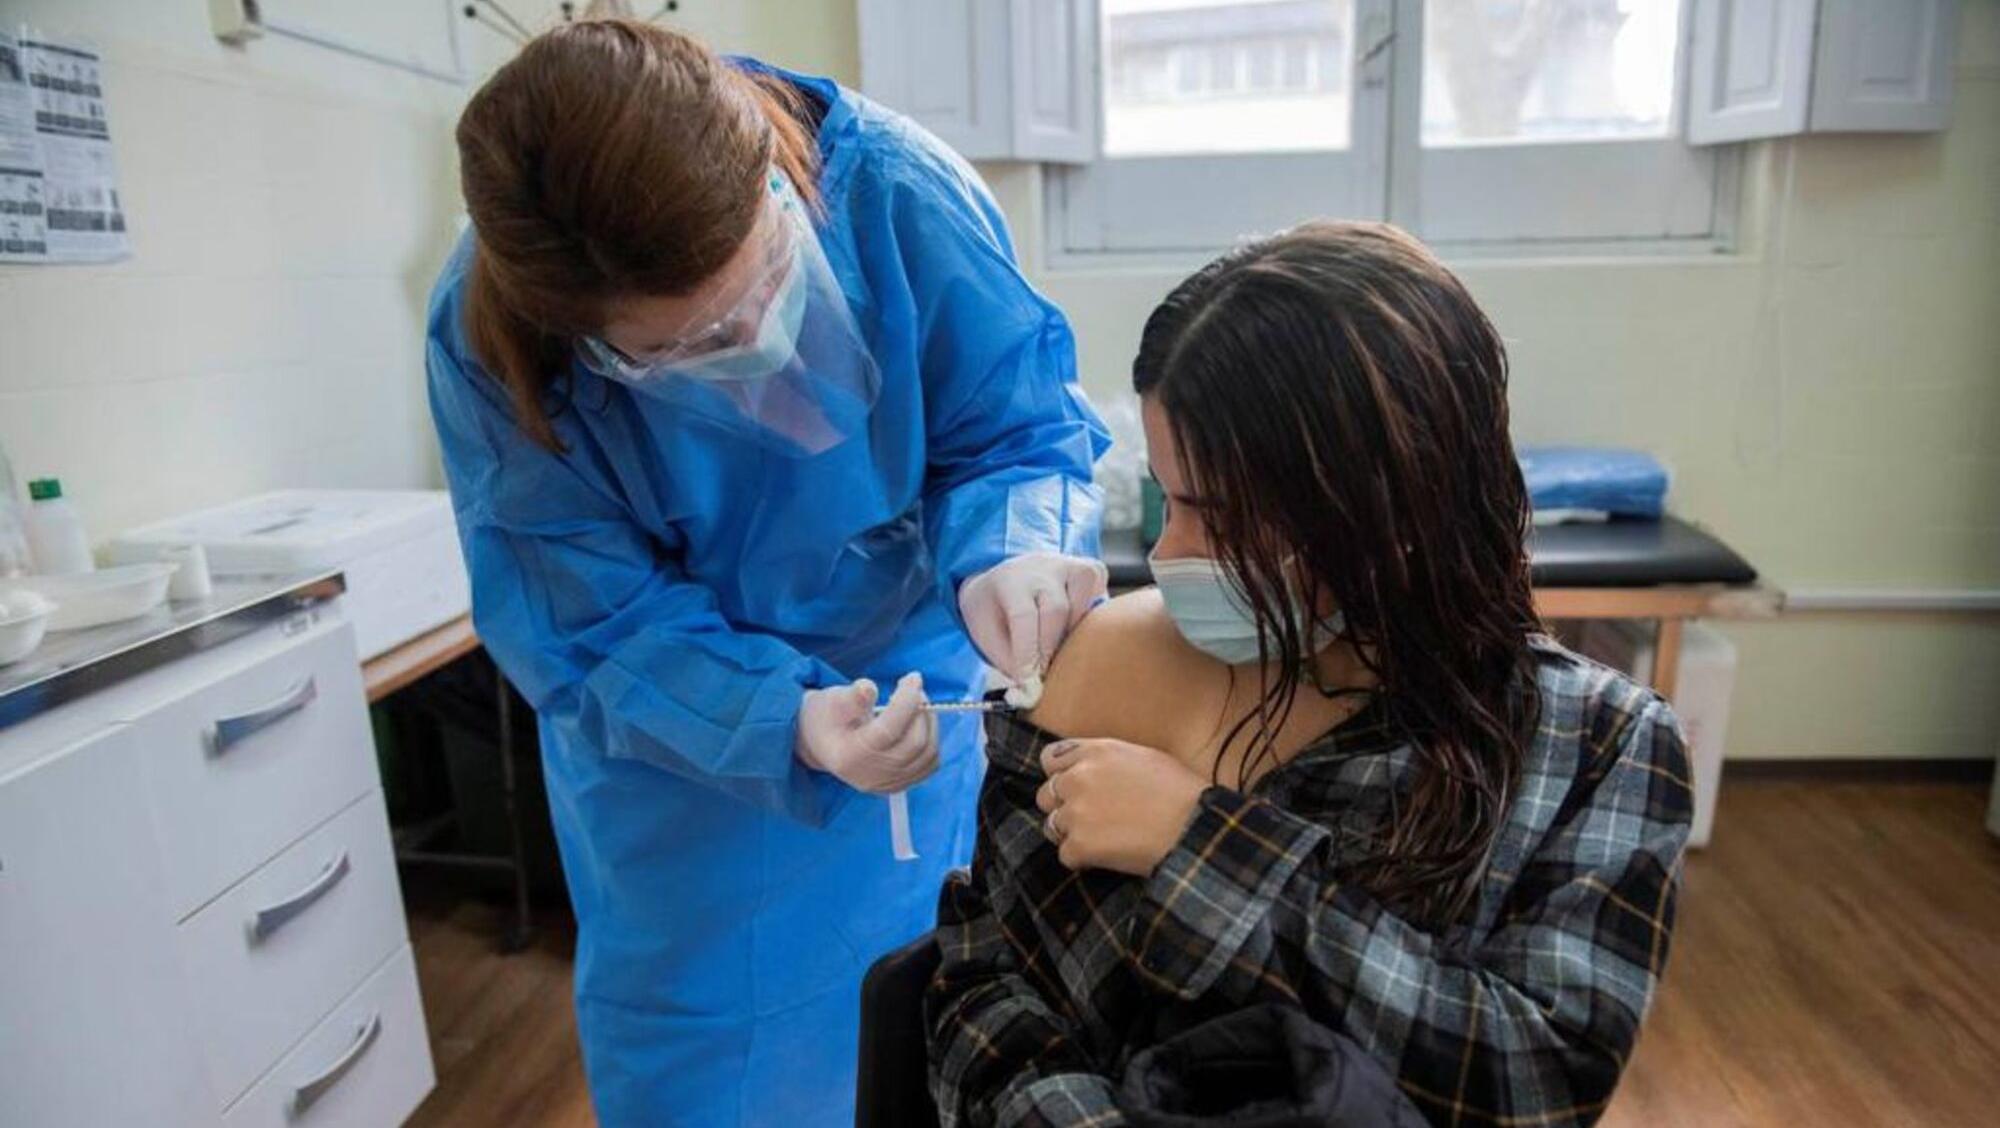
(271,919)
(364,1037)
(229,730)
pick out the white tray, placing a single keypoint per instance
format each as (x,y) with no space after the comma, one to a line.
(108,595)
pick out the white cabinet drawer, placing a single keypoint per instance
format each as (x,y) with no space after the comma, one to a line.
(367,1066)
(271,957)
(243,763)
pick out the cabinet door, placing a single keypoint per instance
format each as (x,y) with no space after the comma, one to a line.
(1054,80)
(994,79)
(1751,71)
(1884,66)
(93,1009)
(943,63)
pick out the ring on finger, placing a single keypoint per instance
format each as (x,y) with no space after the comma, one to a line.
(1050,830)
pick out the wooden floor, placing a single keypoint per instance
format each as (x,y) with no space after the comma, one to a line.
(503,1030)
(1837,962)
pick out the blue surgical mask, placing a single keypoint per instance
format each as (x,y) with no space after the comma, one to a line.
(1214,615)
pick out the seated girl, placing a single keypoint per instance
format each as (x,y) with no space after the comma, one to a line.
(1331,761)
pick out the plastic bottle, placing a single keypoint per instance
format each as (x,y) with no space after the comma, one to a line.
(55,532)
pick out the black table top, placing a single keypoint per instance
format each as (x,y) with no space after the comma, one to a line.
(1617,553)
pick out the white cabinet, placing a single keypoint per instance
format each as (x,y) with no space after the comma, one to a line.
(994,79)
(1774,68)
(199,912)
(93,1008)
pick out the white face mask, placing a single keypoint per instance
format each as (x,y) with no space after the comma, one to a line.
(776,343)
(1213,613)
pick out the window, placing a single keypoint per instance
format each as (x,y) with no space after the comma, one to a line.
(1499,124)
(1254,77)
(1517,73)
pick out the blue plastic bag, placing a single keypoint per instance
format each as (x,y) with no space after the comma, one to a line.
(1621,483)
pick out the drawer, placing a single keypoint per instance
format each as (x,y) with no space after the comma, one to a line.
(276,953)
(368,1065)
(242,763)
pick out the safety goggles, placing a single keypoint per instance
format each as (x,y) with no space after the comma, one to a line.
(784,364)
(733,316)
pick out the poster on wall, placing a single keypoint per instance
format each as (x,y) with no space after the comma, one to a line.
(24,229)
(58,177)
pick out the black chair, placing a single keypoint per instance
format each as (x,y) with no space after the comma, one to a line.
(893,1088)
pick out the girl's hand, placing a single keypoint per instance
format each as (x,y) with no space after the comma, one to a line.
(1117,806)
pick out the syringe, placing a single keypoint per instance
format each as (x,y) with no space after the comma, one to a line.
(963,707)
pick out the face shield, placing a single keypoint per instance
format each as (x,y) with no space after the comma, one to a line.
(775,356)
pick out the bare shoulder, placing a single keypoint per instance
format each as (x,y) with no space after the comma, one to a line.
(1126,672)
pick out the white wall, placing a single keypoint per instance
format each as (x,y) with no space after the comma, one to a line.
(288,207)
(1829,397)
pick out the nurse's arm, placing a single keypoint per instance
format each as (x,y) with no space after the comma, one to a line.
(597,625)
(1010,439)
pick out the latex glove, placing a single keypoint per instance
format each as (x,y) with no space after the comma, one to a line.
(1115,806)
(1018,611)
(840,733)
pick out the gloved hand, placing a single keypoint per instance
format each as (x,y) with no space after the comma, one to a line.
(1018,611)
(840,733)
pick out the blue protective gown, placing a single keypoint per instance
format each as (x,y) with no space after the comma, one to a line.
(665,590)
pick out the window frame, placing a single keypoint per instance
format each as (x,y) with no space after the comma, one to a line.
(1706,184)
(1107,194)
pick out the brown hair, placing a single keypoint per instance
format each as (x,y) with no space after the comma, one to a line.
(609,159)
(1337,396)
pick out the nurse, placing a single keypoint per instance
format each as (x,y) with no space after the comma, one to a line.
(746,409)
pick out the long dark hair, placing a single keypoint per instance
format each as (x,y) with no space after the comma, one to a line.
(609,159)
(1340,405)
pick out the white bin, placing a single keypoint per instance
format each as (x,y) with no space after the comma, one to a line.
(398,548)
(1701,695)
(1993,807)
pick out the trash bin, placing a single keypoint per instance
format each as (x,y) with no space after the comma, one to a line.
(1702,693)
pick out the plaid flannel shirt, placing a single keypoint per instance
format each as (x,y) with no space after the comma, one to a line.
(1524,1013)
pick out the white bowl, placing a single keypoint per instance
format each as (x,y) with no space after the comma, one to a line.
(20,635)
(108,595)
